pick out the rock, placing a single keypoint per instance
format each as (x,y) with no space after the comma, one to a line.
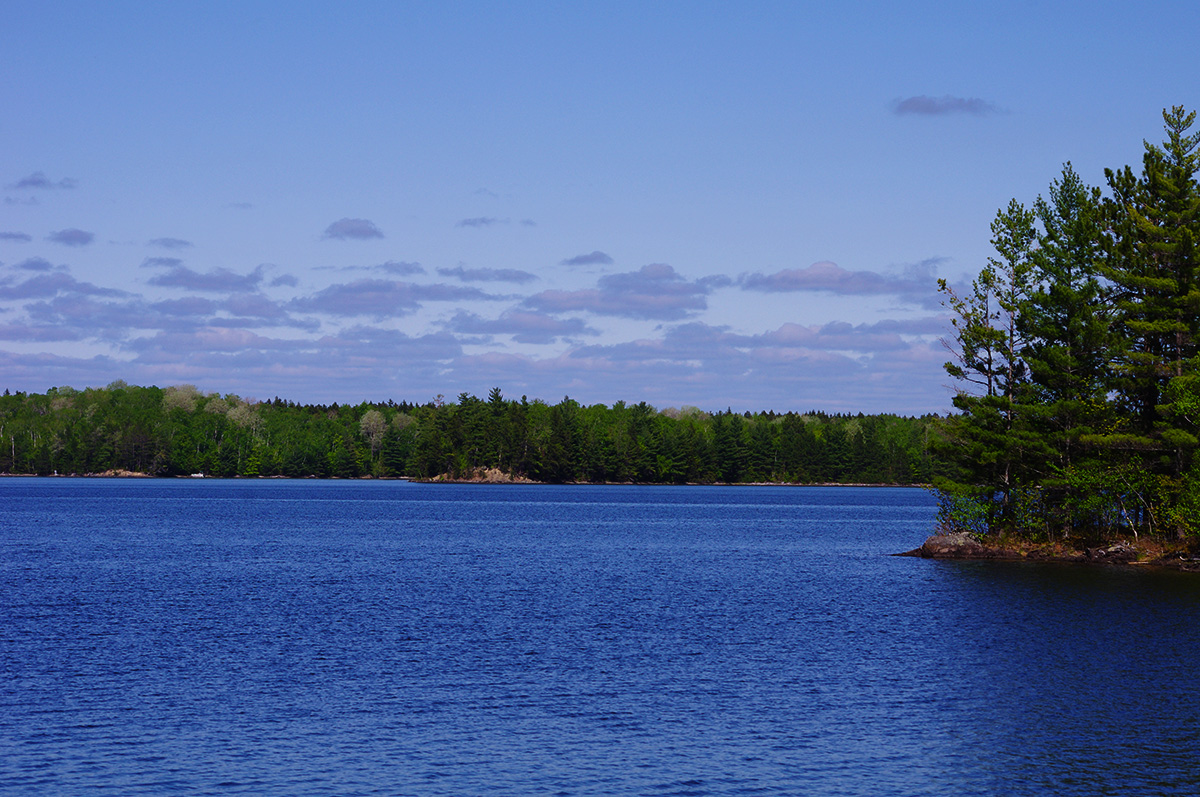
(957,545)
(1122,552)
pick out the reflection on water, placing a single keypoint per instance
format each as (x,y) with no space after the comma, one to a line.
(389,638)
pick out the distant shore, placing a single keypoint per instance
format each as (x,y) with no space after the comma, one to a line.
(490,478)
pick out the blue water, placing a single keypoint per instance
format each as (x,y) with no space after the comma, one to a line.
(355,638)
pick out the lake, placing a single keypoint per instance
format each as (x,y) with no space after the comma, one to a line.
(370,638)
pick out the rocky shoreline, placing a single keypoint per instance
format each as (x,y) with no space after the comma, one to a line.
(1123,553)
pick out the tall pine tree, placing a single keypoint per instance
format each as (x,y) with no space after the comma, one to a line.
(1066,323)
(1154,264)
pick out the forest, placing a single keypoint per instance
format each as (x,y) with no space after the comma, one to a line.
(179,431)
(1076,350)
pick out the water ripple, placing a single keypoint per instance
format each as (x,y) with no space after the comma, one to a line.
(383,638)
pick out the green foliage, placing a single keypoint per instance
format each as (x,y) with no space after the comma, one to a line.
(962,511)
(178,431)
(1079,351)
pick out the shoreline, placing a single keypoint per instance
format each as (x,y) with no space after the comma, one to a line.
(503,479)
(1123,553)
(958,546)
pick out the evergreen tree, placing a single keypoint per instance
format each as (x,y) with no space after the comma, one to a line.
(1079,349)
(1066,324)
(1154,264)
(990,438)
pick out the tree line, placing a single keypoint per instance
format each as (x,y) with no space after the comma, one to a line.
(1078,353)
(178,430)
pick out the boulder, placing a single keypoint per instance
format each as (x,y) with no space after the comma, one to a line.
(1121,553)
(957,545)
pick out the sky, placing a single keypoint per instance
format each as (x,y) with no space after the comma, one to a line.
(719,205)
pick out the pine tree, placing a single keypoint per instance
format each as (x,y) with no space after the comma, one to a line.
(1154,263)
(989,438)
(1079,349)
(1067,322)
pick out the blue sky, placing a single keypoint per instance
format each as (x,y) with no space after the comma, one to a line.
(680,203)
